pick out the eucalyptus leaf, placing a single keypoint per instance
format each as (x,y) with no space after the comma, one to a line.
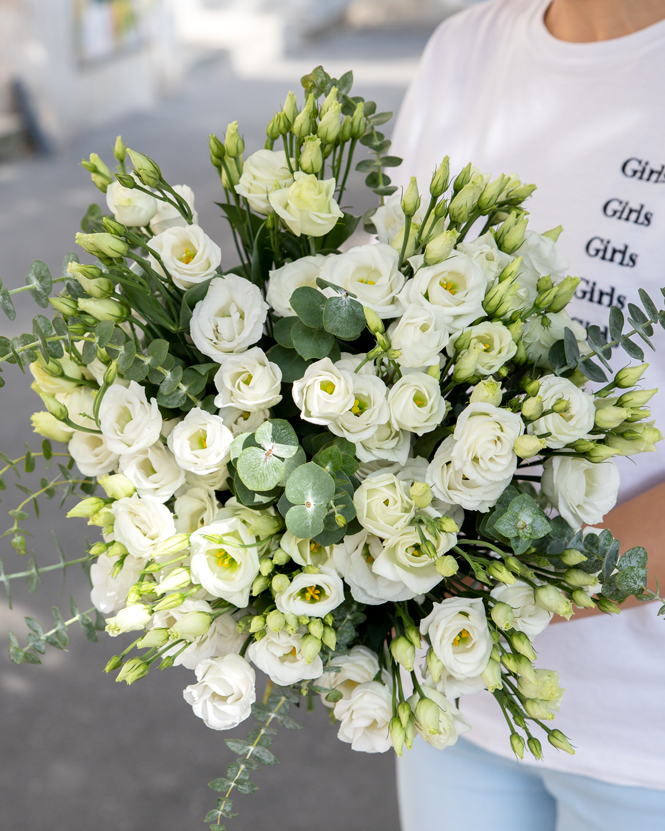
(344,317)
(311,343)
(259,469)
(278,436)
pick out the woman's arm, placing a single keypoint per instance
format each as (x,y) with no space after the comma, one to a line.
(641,521)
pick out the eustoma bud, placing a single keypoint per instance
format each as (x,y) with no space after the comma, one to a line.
(411,199)
(404,652)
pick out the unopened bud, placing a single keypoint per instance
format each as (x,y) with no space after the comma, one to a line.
(397,735)
(439,249)
(171,601)
(607,606)
(374,322)
(492,676)
(434,665)
(636,398)
(520,641)
(411,198)
(55,407)
(607,418)
(463,203)
(439,182)
(517,744)
(520,665)
(103,245)
(550,599)
(630,375)
(133,670)
(490,194)
(421,494)
(330,125)
(487,391)
(403,651)
(310,647)
(280,557)
(311,158)
(503,615)
(572,557)
(280,583)
(147,170)
(154,639)
(266,566)
(427,716)
(557,739)
(113,663)
(358,123)
(582,600)
(532,408)
(261,582)
(577,579)
(565,291)
(501,573)
(446,566)
(86,507)
(117,485)
(600,453)
(191,626)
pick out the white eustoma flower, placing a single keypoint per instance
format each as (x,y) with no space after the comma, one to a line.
(459,634)
(352,362)
(304,552)
(484,438)
(248,382)
(128,421)
(278,655)
(484,251)
(403,559)
(370,273)
(312,594)
(452,724)
(129,206)
(528,617)
(141,523)
(358,666)
(260,173)
(420,334)
(285,280)
(324,393)
(307,206)
(57,384)
(449,483)
(387,443)
(568,427)
(91,453)
(383,504)
(388,219)
(108,593)
(188,255)
(194,509)
(225,691)
(354,558)
(416,404)
(225,558)
(453,687)
(492,345)
(153,472)
(131,618)
(80,403)
(581,491)
(169,217)
(230,317)
(365,716)
(200,442)
(540,254)
(215,480)
(541,332)
(368,411)
(242,421)
(456,285)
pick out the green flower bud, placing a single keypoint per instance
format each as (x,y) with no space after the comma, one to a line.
(467,363)
(98,549)
(311,158)
(550,599)
(537,708)
(266,566)
(411,198)
(133,670)
(120,150)
(636,398)
(397,735)
(261,582)
(510,234)
(217,150)
(330,125)
(280,583)
(99,172)
(565,291)
(607,606)
(582,600)
(275,620)
(491,193)
(358,121)
(347,126)
(427,716)
(86,507)
(561,405)
(113,663)
(102,519)
(446,566)
(600,453)
(522,644)
(499,298)
(421,494)
(315,627)
(629,376)
(147,170)
(532,408)
(65,305)
(535,748)
(520,665)
(607,418)
(434,666)
(572,557)
(413,634)
(175,580)
(329,637)
(577,579)
(290,108)
(501,573)
(273,129)
(117,485)
(310,647)
(463,203)
(463,178)
(439,183)
(374,322)
(503,615)
(104,309)
(154,639)
(257,623)
(404,652)
(491,675)
(553,233)
(191,626)
(171,601)
(487,391)
(55,407)
(102,245)
(280,557)
(545,299)
(233,142)
(171,546)
(517,744)
(410,733)
(557,739)
(519,194)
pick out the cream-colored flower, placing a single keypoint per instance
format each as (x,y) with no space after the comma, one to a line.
(261,173)
(188,255)
(307,206)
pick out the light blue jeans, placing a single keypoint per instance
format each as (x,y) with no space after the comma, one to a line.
(466,788)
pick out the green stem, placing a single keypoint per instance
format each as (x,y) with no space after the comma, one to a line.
(347,170)
(16,575)
(405,241)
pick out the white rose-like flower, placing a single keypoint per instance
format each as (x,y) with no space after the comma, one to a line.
(285,280)
(194,509)
(452,724)
(386,443)
(260,172)
(459,635)
(222,638)
(453,687)
(540,254)
(529,618)
(200,442)
(57,384)
(230,317)
(278,655)
(80,403)
(242,421)
(369,409)
(383,504)
(370,273)
(457,286)
(388,219)
(225,691)
(307,206)
(416,404)
(541,332)
(304,552)
(484,251)
(91,453)
(129,422)
(216,480)
(312,594)
(420,334)
(248,381)
(403,559)
(581,491)
(169,217)
(365,716)
(568,427)
(225,558)
(324,393)
(359,666)
(449,483)
(131,618)
(353,558)
(484,438)
(493,344)
(141,524)
(129,206)
(153,472)
(109,593)
(188,255)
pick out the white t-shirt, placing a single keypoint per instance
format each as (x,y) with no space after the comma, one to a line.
(585,122)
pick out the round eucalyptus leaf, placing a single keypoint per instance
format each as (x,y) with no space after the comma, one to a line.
(309,484)
(305,522)
(344,317)
(308,304)
(240,442)
(311,343)
(278,435)
(292,463)
(259,469)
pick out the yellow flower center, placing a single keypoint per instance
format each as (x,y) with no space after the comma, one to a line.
(367,557)
(187,257)
(419,399)
(450,287)
(328,387)
(224,559)
(367,282)
(461,636)
(313,594)
(314,547)
(358,407)
(247,379)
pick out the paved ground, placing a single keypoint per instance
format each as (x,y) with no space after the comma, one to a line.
(80,752)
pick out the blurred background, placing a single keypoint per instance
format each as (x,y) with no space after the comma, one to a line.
(78,751)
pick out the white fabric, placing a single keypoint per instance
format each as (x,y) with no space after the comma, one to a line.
(495,88)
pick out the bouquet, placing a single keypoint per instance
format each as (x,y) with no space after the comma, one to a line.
(327,457)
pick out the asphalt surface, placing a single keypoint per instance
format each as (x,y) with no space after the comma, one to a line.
(78,751)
